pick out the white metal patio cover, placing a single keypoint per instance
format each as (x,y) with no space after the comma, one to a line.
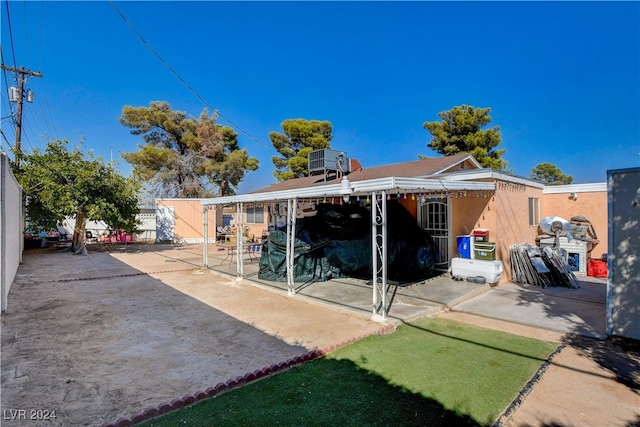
(376,189)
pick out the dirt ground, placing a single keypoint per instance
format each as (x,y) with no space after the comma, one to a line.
(101,337)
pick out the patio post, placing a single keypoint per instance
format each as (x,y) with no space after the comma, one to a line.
(379,254)
(383,224)
(292,212)
(374,254)
(205,231)
(239,241)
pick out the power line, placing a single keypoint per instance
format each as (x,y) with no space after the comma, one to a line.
(13,50)
(192,90)
(41,32)
(4,72)
(48,120)
(5,138)
(26,33)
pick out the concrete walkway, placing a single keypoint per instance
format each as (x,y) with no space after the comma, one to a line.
(571,311)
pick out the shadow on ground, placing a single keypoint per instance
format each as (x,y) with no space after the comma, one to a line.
(323,392)
(94,339)
(617,355)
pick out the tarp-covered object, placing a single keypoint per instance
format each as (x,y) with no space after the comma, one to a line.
(336,242)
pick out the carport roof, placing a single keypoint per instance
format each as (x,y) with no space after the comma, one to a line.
(416,176)
(348,188)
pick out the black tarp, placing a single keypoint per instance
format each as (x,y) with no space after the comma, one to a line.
(336,243)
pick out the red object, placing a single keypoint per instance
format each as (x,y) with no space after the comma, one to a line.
(481,234)
(597,268)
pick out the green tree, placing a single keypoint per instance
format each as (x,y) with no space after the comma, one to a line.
(185,157)
(550,174)
(299,139)
(461,132)
(59,184)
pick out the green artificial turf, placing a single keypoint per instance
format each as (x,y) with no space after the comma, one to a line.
(431,372)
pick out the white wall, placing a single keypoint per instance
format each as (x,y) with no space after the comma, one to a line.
(11,229)
(146,230)
(623,282)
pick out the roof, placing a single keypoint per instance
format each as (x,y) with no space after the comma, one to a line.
(420,175)
(413,169)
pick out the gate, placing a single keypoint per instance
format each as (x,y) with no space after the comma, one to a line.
(434,218)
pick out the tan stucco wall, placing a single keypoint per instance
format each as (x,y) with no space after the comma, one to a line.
(592,205)
(189,219)
(256,230)
(513,225)
(505,213)
(188,215)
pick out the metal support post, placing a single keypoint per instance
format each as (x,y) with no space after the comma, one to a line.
(239,241)
(292,212)
(205,231)
(379,254)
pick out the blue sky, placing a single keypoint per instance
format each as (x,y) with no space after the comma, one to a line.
(562,79)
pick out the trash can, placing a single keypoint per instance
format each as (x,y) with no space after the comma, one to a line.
(465,246)
(480,234)
(485,251)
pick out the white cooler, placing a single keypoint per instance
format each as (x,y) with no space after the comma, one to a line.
(463,267)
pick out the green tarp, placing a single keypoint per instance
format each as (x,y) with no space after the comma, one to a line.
(336,242)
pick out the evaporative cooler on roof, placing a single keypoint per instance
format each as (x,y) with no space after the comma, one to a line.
(325,160)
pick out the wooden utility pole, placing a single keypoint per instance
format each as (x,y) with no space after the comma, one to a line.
(22,72)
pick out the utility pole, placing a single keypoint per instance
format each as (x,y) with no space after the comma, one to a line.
(22,72)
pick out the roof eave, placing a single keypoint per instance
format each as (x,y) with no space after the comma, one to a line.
(399,184)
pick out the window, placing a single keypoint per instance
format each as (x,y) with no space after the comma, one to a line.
(534,211)
(255,215)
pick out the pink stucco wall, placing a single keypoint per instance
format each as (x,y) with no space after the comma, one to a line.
(505,213)
(188,215)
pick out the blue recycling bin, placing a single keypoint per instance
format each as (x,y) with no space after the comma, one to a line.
(465,246)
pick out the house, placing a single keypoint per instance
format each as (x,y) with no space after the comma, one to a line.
(459,197)
(447,196)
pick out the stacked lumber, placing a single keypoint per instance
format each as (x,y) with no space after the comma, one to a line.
(547,267)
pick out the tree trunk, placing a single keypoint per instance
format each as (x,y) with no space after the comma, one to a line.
(77,245)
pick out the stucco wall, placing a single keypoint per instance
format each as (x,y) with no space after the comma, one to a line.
(188,219)
(623,283)
(505,213)
(589,201)
(11,229)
